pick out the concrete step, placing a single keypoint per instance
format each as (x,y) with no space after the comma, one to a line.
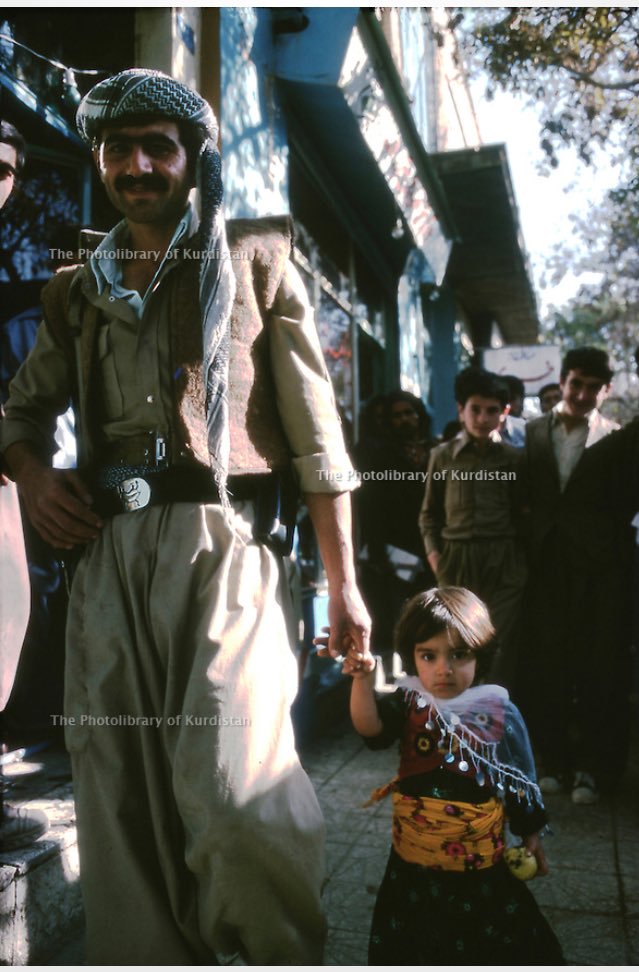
(40,903)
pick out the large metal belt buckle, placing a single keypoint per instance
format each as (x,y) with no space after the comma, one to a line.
(134,494)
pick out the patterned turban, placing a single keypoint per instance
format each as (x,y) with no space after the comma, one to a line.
(141,92)
(134,94)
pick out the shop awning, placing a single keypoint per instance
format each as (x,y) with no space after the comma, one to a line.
(488,267)
(360,137)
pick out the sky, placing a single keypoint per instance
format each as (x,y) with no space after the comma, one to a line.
(545,203)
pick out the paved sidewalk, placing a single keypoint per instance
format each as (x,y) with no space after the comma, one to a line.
(591,896)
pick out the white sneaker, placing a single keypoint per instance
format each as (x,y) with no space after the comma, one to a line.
(550,784)
(584,789)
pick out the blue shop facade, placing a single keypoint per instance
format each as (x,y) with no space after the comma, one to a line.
(347,118)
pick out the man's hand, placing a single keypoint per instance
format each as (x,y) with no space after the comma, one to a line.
(356,663)
(56,500)
(433,560)
(349,623)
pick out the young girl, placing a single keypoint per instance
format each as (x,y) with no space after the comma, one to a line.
(448,897)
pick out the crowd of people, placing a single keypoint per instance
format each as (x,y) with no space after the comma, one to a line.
(536,519)
(200,836)
(527,531)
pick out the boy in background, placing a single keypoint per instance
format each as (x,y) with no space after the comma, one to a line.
(470,516)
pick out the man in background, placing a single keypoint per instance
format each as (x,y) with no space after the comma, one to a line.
(18,827)
(575,659)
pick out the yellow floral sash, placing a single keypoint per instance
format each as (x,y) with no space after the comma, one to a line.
(448,836)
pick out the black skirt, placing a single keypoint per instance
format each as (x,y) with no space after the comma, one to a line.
(424,916)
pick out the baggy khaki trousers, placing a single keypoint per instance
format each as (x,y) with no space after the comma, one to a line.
(200,834)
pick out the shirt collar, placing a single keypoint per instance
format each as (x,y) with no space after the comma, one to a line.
(591,417)
(463,440)
(107,265)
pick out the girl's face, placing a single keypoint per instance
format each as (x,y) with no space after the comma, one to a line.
(445,667)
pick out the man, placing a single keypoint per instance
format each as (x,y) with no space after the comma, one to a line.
(11,159)
(471,513)
(18,827)
(513,427)
(549,396)
(394,569)
(516,395)
(198,378)
(574,603)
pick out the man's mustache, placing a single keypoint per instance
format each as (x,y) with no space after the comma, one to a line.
(142,182)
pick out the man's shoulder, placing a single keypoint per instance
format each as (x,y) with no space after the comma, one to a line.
(259,231)
(443,451)
(538,427)
(55,296)
(508,450)
(260,249)
(606,425)
(541,422)
(64,277)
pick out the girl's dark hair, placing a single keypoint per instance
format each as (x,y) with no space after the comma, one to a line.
(442,609)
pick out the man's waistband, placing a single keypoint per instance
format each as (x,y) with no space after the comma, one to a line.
(132,489)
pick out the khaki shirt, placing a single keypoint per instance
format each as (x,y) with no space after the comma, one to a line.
(471,495)
(134,355)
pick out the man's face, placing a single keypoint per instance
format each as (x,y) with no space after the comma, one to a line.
(404,420)
(549,399)
(480,416)
(581,393)
(8,162)
(145,171)
(516,406)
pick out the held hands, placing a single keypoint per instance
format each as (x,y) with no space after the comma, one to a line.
(58,505)
(357,664)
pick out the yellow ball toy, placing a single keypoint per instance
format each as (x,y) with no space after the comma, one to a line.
(521,864)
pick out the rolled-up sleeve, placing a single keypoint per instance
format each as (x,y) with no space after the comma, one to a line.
(39,393)
(305,397)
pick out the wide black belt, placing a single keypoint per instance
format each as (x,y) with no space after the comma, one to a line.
(178,484)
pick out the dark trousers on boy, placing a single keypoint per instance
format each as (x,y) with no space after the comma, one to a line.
(495,570)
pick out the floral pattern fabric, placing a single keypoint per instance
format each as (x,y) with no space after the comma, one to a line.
(448,836)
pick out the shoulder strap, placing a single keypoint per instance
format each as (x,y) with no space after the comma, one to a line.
(55,302)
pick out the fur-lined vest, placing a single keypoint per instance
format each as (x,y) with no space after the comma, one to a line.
(258,442)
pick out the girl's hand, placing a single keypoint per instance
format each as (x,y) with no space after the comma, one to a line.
(534,846)
(357,663)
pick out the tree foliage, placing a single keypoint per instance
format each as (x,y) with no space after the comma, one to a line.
(580,67)
(579,64)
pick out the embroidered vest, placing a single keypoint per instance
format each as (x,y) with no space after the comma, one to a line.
(259,250)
